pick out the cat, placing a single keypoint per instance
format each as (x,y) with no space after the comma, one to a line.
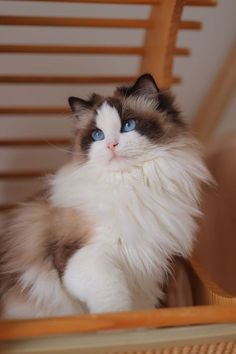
(102,236)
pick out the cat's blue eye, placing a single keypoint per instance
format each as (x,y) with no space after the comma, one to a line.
(128,126)
(98,135)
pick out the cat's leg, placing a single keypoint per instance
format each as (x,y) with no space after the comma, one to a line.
(92,276)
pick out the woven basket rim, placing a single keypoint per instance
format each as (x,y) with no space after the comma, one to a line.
(207,283)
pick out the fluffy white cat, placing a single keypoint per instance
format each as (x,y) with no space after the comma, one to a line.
(102,237)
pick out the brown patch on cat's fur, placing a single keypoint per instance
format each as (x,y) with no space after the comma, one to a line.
(70,231)
(61,253)
(38,233)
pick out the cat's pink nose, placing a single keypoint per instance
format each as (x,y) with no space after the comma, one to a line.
(112,146)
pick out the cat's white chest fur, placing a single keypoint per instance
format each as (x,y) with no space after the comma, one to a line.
(141,219)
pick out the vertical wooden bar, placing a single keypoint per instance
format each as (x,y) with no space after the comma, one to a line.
(160,41)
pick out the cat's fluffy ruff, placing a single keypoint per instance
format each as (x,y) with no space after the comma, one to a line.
(144,217)
(140,203)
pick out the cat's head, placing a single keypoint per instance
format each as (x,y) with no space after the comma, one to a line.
(125,130)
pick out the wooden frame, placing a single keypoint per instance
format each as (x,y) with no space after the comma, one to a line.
(161,318)
(160,41)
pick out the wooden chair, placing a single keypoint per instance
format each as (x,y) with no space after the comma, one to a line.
(198,329)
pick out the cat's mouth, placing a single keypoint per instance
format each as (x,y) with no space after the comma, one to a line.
(115,157)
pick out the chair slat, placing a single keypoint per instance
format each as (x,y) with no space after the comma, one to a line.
(160,318)
(48,142)
(33,110)
(121,2)
(44,79)
(59,49)
(201,2)
(23,79)
(185,52)
(130,2)
(87,22)
(11,175)
(72,22)
(190,25)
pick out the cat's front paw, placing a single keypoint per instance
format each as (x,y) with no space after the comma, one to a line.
(100,284)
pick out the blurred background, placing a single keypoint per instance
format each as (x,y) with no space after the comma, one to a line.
(209,50)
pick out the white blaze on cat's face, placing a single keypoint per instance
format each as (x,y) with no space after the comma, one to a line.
(108,120)
(118,150)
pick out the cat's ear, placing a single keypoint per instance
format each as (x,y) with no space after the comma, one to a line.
(78,105)
(145,85)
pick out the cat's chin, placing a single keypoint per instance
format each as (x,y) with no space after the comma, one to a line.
(118,163)
(117,158)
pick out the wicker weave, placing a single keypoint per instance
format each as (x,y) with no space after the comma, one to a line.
(206,292)
(210,348)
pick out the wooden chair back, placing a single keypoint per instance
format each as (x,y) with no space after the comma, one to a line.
(157,55)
